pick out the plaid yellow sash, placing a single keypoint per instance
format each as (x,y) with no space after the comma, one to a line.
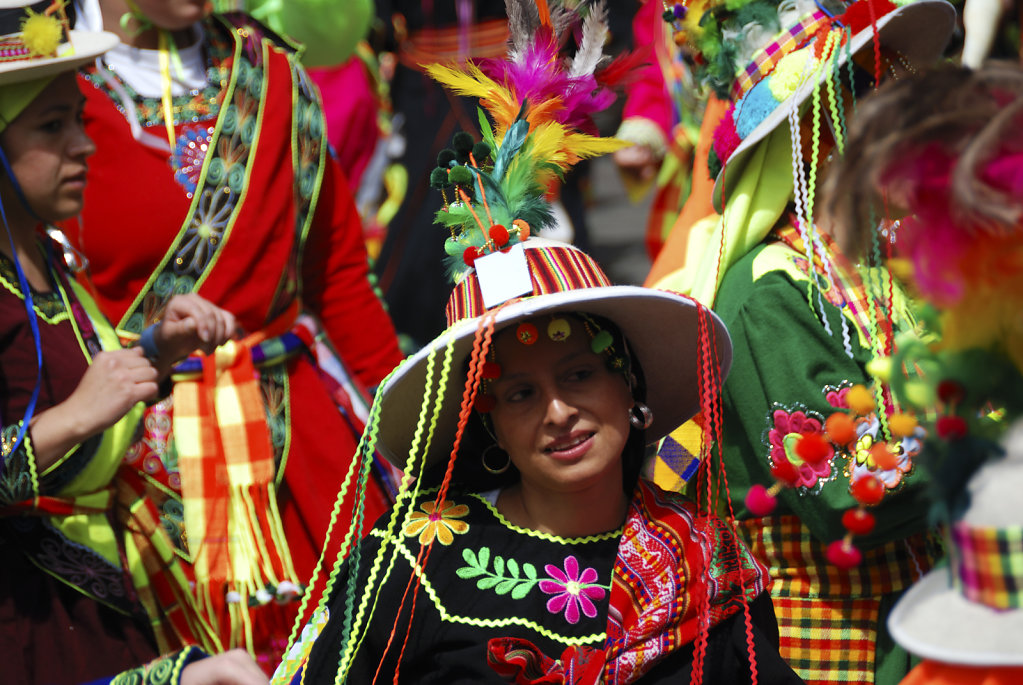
(225,459)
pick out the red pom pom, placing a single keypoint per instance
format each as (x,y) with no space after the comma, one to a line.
(951,392)
(841,428)
(484,403)
(843,554)
(867,490)
(470,255)
(858,521)
(491,370)
(759,501)
(785,471)
(499,234)
(813,448)
(951,427)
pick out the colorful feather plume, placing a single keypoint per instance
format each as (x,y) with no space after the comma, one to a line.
(542,105)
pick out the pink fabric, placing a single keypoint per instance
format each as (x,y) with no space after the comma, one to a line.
(350,108)
(647,96)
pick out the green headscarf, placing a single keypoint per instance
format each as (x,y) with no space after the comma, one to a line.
(15,97)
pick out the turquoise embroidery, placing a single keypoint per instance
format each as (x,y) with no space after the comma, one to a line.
(518,586)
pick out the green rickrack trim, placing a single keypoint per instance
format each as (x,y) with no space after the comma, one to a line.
(485,622)
(416,464)
(48,306)
(162,671)
(546,536)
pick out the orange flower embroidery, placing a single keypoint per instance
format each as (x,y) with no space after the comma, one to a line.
(441,524)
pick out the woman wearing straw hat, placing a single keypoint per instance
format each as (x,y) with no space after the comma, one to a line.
(804,406)
(525,547)
(78,570)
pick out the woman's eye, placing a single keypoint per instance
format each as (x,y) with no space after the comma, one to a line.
(517,394)
(580,374)
(52,126)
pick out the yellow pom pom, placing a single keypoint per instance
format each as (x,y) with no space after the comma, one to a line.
(902,425)
(860,400)
(880,368)
(41,34)
(918,393)
(789,74)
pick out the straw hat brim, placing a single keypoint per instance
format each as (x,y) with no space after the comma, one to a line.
(935,621)
(919,30)
(88,46)
(660,327)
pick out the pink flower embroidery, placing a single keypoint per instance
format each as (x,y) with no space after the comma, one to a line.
(571,590)
(788,430)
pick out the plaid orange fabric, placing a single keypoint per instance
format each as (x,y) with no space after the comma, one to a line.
(989,564)
(160,579)
(227,480)
(827,616)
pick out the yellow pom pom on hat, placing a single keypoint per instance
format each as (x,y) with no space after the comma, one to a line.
(36,41)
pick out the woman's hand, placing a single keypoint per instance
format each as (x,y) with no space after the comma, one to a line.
(230,668)
(114,382)
(191,323)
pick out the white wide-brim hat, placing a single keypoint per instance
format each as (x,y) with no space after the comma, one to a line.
(935,619)
(81,47)
(918,31)
(661,329)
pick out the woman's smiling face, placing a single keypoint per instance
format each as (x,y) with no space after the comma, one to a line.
(559,413)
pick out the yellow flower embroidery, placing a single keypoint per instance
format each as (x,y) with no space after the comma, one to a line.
(441,524)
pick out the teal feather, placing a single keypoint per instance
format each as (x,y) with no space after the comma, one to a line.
(513,140)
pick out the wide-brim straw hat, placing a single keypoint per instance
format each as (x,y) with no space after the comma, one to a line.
(75,49)
(969,611)
(661,329)
(918,31)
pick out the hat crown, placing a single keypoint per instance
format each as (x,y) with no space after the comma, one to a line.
(554,267)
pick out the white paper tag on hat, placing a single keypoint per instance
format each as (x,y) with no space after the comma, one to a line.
(503,275)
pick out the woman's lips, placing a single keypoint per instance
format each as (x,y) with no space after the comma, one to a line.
(571,447)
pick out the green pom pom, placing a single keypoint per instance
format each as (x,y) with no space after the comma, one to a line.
(713,163)
(481,151)
(439,178)
(453,248)
(601,341)
(460,176)
(462,142)
(445,157)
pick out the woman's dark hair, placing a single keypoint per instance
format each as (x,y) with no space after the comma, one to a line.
(469,474)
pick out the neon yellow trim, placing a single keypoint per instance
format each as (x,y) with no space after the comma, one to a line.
(163,37)
(217,130)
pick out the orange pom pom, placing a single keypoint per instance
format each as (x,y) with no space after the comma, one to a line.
(841,428)
(902,425)
(860,400)
(885,459)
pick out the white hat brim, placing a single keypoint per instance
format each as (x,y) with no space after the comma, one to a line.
(88,45)
(935,621)
(660,327)
(919,30)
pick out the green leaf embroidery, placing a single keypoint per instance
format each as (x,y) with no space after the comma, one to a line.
(504,579)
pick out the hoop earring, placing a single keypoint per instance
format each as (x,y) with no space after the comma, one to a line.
(640,416)
(490,469)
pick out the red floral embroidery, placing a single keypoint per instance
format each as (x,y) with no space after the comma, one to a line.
(788,430)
